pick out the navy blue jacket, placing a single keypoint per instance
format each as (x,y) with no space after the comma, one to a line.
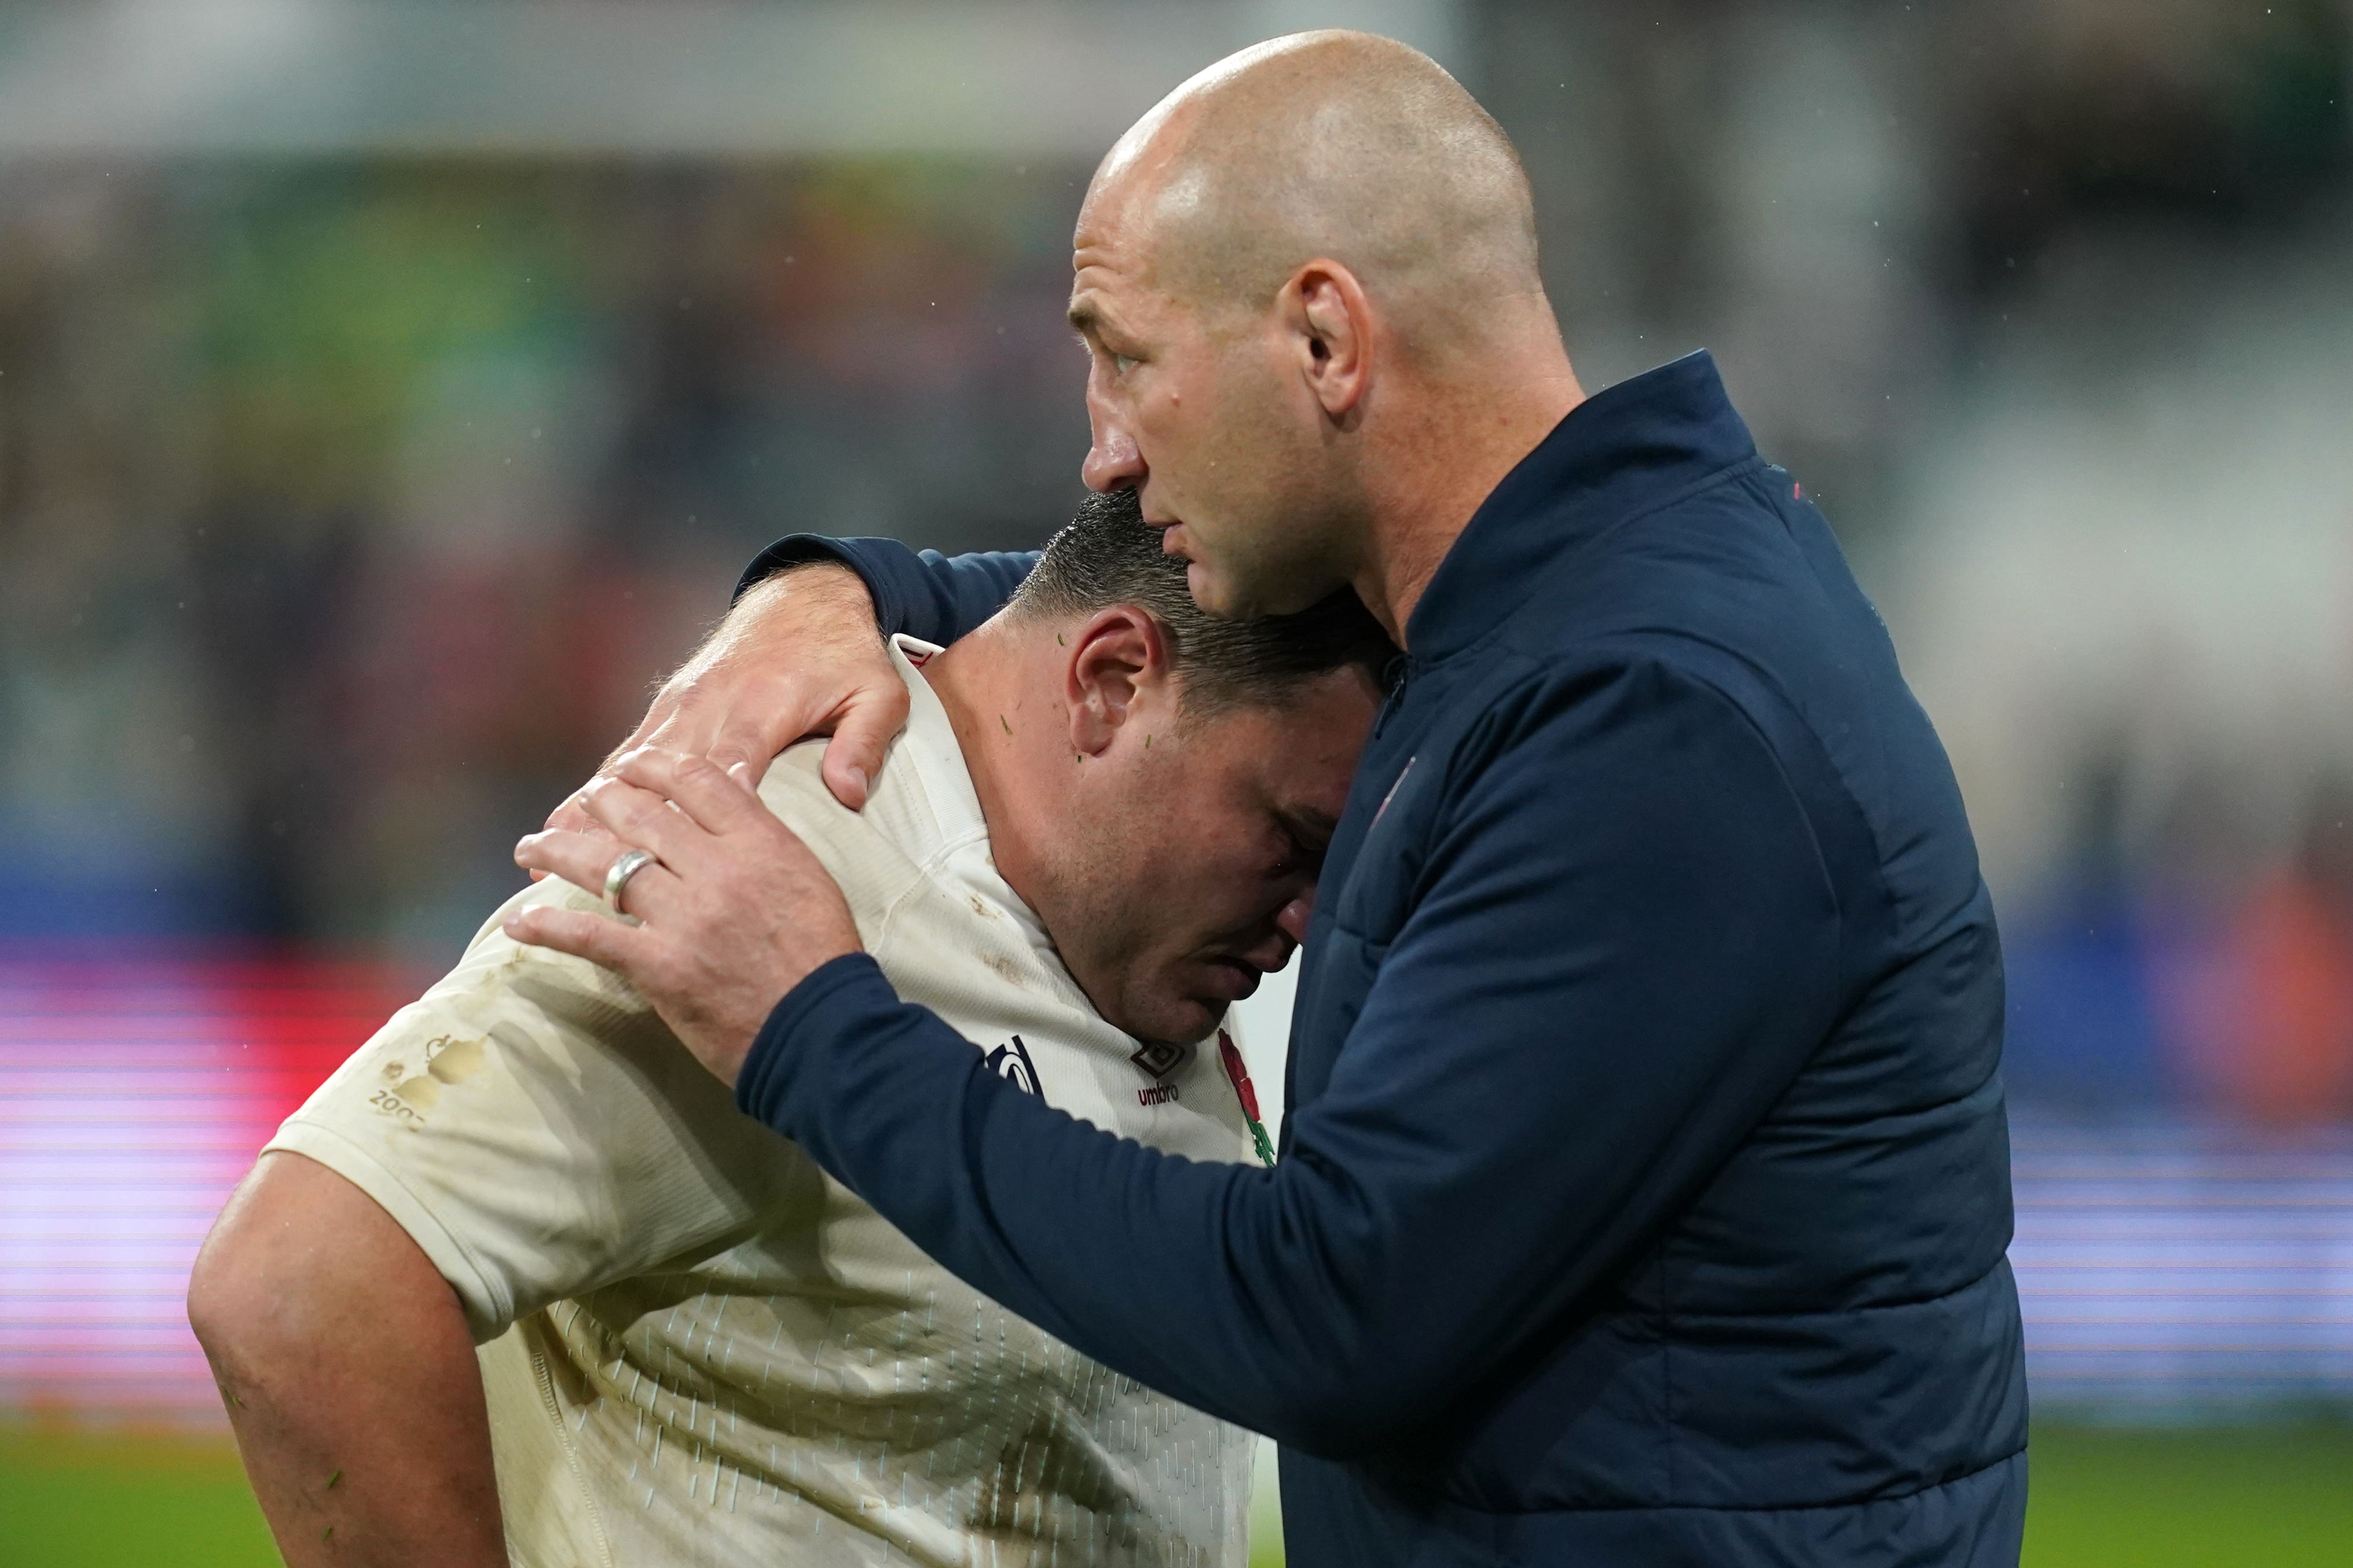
(1644,1192)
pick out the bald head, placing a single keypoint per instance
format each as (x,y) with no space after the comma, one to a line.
(1335,145)
(1316,338)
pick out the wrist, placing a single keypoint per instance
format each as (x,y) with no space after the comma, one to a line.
(825,589)
(801,558)
(825,578)
(763,1079)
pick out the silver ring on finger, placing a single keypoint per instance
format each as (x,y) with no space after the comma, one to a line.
(625,865)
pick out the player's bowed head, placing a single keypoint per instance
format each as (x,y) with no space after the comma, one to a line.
(1169,876)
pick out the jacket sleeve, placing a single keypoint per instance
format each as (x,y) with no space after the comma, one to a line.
(929,596)
(1621,949)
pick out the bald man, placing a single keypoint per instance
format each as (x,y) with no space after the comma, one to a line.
(1644,1194)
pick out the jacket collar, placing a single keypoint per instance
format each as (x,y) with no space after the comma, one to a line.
(1619,452)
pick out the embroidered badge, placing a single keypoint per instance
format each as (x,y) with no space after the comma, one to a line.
(1236,1070)
(1159,1058)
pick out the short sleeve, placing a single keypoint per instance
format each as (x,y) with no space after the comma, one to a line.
(539,1133)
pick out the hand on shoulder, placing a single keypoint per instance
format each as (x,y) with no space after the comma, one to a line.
(730,909)
(798,655)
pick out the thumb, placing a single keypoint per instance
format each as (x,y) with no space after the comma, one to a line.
(861,739)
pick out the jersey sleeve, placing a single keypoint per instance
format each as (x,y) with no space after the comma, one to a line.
(539,1133)
(929,596)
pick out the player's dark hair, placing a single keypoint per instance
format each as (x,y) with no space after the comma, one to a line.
(1109,555)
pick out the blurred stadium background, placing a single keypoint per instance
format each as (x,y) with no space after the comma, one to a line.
(390,392)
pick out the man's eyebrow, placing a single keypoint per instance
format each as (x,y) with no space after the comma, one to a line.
(1085,319)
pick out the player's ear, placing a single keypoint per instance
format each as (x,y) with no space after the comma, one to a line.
(1118,657)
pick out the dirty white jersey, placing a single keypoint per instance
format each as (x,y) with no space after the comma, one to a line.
(698,1347)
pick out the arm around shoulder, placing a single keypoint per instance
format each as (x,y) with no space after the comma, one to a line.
(801,653)
(1616,949)
(926,594)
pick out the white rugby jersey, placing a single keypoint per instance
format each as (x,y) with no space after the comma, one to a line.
(701,1349)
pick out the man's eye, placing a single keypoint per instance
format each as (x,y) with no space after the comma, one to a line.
(1299,854)
(1121,363)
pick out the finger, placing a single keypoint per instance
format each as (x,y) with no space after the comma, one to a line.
(718,802)
(618,947)
(660,715)
(870,720)
(643,817)
(747,743)
(584,861)
(571,817)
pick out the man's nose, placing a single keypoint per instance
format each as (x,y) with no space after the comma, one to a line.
(1293,920)
(1113,461)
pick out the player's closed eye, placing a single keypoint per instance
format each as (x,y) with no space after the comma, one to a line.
(1302,856)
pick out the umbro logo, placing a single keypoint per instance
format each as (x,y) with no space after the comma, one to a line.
(1011,1061)
(1159,1058)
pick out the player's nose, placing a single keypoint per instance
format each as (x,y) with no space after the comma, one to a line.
(1291,920)
(1270,953)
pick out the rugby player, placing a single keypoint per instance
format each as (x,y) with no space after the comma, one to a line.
(1102,823)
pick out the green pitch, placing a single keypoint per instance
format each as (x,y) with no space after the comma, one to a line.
(2211,1499)
(2257,1497)
(2217,1498)
(78,1500)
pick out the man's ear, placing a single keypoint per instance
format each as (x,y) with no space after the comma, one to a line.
(1330,323)
(1117,656)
